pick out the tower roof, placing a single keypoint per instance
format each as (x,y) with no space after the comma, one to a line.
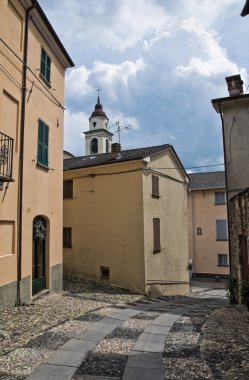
(99,110)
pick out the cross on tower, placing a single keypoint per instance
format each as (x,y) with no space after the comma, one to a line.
(98,90)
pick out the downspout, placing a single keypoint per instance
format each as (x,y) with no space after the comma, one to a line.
(225,161)
(22,127)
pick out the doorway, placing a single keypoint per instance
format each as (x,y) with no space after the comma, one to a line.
(39,255)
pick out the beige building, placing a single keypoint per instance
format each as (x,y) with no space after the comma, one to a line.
(207,224)
(125,218)
(32,66)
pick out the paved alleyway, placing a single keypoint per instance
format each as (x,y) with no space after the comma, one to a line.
(192,337)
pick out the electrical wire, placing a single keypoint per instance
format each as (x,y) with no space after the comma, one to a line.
(58,103)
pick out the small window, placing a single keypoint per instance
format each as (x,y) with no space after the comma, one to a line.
(67,237)
(221,230)
(68,189)
(199,231)
(107,146)
(156,235)
(155,186)
(45,65)
(94,146)
(222,259)
(42,150)
(104,273)
(220,198)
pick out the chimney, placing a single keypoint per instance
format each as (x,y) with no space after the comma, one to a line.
(116,148)
(235,85)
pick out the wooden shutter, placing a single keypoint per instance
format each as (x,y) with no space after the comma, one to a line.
(68,189)
(156,235)
(155,186)
(42,150)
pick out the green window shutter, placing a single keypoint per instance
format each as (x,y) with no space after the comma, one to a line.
(45,66)
(42,154)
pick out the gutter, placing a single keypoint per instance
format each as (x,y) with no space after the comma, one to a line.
(21,166)
(225,164)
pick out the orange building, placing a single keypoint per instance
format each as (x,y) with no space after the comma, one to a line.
(207,224)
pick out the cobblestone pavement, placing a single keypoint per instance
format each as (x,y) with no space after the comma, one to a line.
(93,331)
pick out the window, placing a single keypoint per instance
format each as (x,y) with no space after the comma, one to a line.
(42,154)
(104,273)
(155,186)
(107,146)
(156,235)
(221,230)
(220,198)
(67,237)
(222,259)
(94,146)
(68,189)
(45,65)
(199,231)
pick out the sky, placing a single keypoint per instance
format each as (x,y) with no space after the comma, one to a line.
(159,63)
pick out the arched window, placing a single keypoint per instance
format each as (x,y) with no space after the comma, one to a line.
(107,146)
(94,146)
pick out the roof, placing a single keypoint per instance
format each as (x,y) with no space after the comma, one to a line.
(208,180)
(99,110)
(110,158)
(52,31)
(245,10)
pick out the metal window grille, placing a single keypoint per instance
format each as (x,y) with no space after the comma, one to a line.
(222,259)
(68,189)
(155,186)
(220,197)
(156,235)
(221,230)
(67,237)
(6,157)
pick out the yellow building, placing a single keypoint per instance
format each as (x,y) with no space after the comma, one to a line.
(125,216)
(32,66)
(207,221)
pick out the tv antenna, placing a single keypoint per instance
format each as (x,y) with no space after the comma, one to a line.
(119,129)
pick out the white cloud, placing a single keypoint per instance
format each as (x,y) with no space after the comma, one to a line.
(74,125)
(113,76)
(217,62)
(77,82)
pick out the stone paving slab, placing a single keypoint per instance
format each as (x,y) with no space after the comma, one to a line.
(78,345)
(148,346)
(153,338)
(143,374)
(138,359)
(52,372)
(166,319)
(155,329)
(67,358)
(88,377)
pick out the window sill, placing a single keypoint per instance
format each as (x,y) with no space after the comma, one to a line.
(67,246)
(45,81)
(156,251)
(220,204)
(155,196)
(68,198)
(221,239)
(222,265)
(43,167)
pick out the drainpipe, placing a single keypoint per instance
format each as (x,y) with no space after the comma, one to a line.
(225,161)
(22,127)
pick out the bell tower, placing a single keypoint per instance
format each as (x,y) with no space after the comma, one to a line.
(98,139)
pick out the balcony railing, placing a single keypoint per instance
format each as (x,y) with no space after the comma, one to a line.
(6,158)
